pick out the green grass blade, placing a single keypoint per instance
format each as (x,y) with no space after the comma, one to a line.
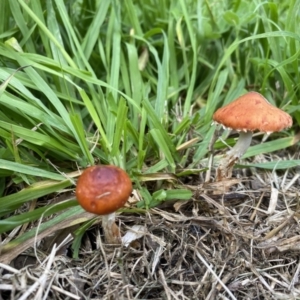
(30,216)
(13,201)
(21,168)
(273,165)
(271,146)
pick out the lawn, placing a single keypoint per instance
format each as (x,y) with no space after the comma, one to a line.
(135,84)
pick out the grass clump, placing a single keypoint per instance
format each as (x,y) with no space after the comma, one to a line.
(135,84)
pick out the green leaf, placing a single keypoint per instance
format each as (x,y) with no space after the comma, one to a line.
(30,216)
(163,146)
(21,168)
(271,146)
(273,165)
(231,18)
(13,201)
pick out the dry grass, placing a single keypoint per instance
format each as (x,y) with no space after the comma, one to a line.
(240,245)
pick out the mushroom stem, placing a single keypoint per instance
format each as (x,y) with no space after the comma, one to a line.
(111,230)
(224,170)
(241,145)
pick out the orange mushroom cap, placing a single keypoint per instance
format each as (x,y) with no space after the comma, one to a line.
(252,112)
(103,189)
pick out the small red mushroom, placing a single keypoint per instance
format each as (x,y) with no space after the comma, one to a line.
(247,114)
(102,190)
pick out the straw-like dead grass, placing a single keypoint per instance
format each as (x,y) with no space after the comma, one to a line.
(240,245)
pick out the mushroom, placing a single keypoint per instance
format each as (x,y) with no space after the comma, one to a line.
(102,190)
(247,114)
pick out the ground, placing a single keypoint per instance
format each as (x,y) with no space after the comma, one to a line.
(242,244)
